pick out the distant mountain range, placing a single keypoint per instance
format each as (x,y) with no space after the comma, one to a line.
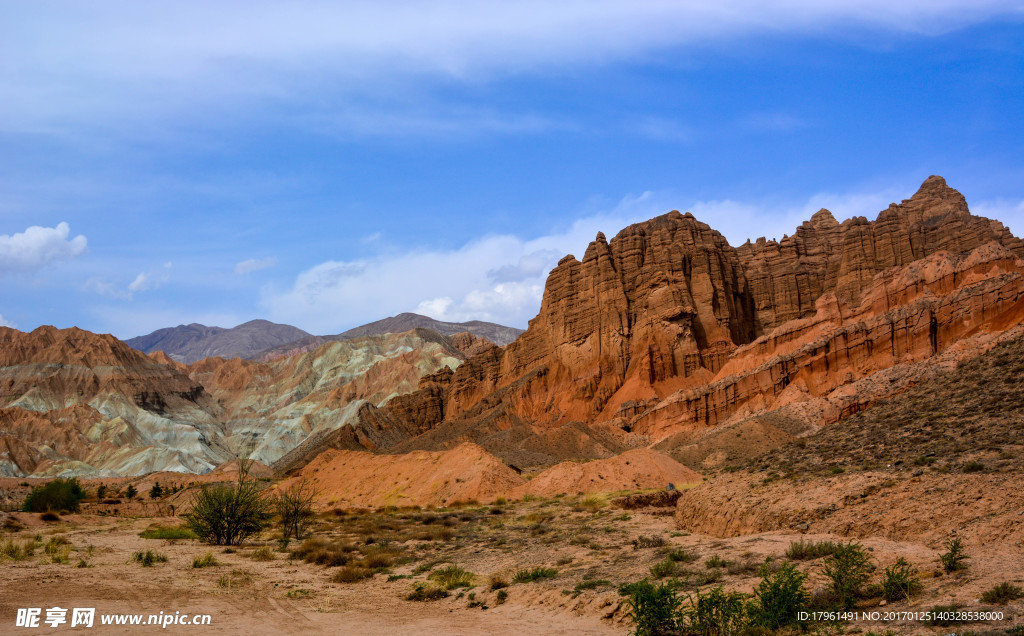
(265,340)
(189,343)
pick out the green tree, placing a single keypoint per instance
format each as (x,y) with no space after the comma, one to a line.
(57,496)
(223,514)
(131,492)
(156,491)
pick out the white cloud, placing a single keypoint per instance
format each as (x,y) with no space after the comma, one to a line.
(38,246)
(255,264)
(105,61)
(105,288)
(142,282)
(501,278)
(7,323)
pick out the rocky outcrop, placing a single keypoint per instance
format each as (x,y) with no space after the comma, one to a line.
(87,404)
(667,329)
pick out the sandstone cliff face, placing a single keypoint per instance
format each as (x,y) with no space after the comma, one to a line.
(667,329)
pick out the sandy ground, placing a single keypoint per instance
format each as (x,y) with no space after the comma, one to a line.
(583,539)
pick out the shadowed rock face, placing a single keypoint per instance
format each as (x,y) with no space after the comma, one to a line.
(668,329)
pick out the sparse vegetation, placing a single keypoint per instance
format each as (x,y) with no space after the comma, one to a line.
(452,577)
(529,575)
(427,592)
(806,550)
(295,509)
(652,541)
(1002,594)
(848,569)
(262,553)
(205,561)
(148,558)
(900,582)
(954,558)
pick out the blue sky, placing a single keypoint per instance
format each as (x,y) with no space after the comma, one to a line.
(328,164)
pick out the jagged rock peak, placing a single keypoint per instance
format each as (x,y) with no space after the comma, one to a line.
(823,219)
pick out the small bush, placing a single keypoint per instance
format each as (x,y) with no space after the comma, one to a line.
(49,516)
(451,577)
(148,558)
(899,582)
(205,561)
(848,569)
(653,541)
(501,597)
(806,550)
(973,467)
(654,609)
(1002,594)
(263,553)
(351,574)
(322,552)
(663,569)
(295,509)
(779,597)
(498,581)
(529,575)
(716,562)
(229,514)
(591,584)
(716,612)
(59,495)
(425,592)
(682,555)
(954,558)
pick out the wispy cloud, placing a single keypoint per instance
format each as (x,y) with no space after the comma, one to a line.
(122,62)
(254,265)
(7,323)
(37,247)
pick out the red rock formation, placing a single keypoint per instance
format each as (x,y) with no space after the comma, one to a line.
(667,312)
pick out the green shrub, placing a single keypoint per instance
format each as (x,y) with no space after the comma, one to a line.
(1002,594)
(973,467)
(148,558)
(425,592)
(60,495)
(529,575)
(899,582)
(156,491)
(806,550)
(715,613)
(682,555)
(590,584)
(954,558)
(717,562)
(205,561)
(451,577)
(779,597)
(229,514)
(654,609)
(848,569)
(501,597)
(663,569)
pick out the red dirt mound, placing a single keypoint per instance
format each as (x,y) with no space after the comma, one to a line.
(419,478)
(637,469)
